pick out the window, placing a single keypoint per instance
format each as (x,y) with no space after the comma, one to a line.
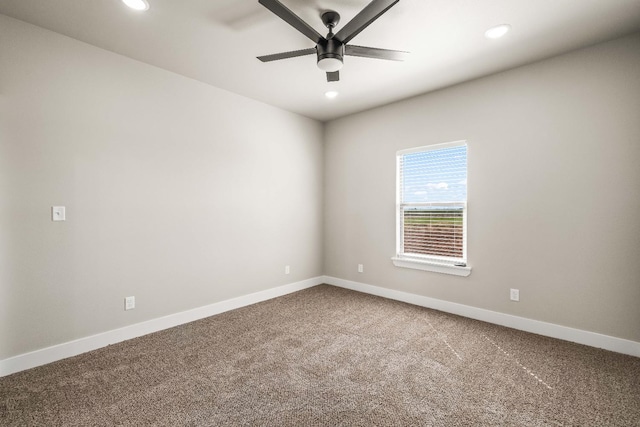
(432,208)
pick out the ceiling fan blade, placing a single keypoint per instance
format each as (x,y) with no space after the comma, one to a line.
(292,19)
(374,52)
(333,76)
(285,55)
(362,20)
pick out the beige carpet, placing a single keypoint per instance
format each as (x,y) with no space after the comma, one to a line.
(330,357)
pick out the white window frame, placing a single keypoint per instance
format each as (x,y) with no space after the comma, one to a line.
(433,263)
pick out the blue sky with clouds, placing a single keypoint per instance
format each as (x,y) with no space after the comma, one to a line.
(435,175)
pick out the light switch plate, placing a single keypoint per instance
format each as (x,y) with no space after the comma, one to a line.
(58,213)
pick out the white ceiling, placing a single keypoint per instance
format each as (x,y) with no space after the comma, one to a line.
(217,41)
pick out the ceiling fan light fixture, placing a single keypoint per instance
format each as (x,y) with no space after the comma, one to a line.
(331,49)
(331,94)
(497,31)
(330,64)
(140,5)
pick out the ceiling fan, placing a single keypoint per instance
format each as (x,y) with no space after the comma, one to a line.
(331,50)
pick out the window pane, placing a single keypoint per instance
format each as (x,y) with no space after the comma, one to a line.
(434,231)
(432,196)
(435,176)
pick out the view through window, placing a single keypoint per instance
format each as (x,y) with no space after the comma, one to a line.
(432,203)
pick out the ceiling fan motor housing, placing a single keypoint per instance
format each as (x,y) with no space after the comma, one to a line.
(330,51)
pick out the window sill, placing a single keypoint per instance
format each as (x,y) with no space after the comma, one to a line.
(431,266)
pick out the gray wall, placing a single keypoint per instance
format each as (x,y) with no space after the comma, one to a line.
(176,192)
(554,180)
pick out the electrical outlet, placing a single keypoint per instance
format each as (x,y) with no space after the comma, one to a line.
(287,269)
(360,268)
(58,213)
(129,303)
(514,294)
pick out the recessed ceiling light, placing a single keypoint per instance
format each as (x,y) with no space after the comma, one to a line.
(331,94)
(497,31)
(137,4)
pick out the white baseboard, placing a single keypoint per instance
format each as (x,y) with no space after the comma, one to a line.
(579,336)
(93,342)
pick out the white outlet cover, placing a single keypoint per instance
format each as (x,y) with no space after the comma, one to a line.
(58,213)
(514,294)
(129,303)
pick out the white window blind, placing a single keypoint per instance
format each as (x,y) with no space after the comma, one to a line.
(432,203)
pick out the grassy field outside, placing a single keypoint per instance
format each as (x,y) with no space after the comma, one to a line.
(436,232)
